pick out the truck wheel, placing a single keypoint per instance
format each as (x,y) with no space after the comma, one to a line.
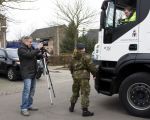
(134,94)
(11,74)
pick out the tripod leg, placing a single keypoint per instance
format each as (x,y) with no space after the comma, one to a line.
(48,82)
(49,89)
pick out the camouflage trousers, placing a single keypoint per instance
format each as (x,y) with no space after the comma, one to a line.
(83,86)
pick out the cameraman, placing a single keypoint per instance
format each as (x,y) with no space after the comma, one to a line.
(28,65)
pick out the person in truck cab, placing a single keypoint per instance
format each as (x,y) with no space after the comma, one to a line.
(130,14)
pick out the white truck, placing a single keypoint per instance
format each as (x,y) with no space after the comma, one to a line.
(123,55)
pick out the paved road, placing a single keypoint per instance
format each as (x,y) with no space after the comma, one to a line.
(105,108)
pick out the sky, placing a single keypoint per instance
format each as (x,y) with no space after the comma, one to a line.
(41,14)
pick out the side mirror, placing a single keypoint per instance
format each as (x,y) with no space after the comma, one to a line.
(2,57)
(104,5)
(102,19)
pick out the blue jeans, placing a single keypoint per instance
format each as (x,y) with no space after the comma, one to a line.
(28,93)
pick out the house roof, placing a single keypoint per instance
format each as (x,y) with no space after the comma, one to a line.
(46,32)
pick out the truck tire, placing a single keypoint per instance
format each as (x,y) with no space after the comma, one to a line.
(134,94)
(11,74)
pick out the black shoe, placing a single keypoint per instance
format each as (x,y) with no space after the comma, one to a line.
(87,113)
(33,109)
(25,113)
(71,108)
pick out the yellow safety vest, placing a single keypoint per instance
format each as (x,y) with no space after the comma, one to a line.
(131,19)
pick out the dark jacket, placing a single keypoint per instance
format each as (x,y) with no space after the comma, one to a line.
(28,61)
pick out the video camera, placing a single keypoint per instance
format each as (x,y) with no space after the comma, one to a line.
(44,42)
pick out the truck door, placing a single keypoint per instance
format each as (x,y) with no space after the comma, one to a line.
(119,38)
(144,32)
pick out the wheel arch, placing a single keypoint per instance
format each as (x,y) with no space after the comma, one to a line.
(129,69)
(130,64)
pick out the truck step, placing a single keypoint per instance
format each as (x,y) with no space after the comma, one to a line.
(106,80)
(105,92)
(108,69)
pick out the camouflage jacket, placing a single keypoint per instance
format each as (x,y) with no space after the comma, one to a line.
(81,66)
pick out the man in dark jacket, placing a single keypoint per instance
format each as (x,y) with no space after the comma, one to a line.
(28,65)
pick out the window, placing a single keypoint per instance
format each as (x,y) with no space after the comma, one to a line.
(12,53)
(2,53)
(119,16)
(118,21)
(110,15)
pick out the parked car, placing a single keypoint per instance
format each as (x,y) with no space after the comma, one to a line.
(10,65)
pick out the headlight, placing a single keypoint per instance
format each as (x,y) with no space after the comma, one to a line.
(97,51)
(96,57)
(18,63)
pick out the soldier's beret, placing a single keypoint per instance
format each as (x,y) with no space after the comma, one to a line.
(80,46)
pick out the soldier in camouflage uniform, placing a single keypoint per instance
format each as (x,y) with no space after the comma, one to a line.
(80,67)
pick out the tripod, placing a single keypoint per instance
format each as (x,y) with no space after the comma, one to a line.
(48,78)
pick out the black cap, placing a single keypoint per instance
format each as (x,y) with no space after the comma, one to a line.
(80,46)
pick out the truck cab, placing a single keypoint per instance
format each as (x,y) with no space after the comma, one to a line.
(123,55)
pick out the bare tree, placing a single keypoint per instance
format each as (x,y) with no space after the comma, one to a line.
(6,5)
(76,13)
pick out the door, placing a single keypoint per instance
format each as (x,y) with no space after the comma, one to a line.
(2,61)
(144,36)
(119,38)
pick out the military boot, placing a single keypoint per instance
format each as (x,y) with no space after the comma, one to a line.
(86,113)
(71,108)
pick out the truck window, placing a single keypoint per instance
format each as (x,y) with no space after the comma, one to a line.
(110,15)
(125,16)
(119,16)
(117,23)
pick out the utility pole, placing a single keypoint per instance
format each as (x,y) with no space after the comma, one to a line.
(3,30)
(58,39)
(4,37)
(83,32)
